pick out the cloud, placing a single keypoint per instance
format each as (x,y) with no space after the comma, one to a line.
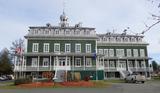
(17,15)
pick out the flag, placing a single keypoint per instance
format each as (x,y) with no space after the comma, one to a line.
(94,55)
(19,50)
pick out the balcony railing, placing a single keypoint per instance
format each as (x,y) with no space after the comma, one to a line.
(52,68)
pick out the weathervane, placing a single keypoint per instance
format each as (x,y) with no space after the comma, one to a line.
(64,6)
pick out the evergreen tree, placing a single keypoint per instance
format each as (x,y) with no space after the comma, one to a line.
(155,65)
(5,63)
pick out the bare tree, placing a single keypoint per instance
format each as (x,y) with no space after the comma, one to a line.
(155,16)
(17,46)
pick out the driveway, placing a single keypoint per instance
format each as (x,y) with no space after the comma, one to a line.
(148,87)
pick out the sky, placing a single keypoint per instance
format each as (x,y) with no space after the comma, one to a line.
(104,15)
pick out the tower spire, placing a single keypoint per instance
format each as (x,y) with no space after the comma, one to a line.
(63,17)
(64,6)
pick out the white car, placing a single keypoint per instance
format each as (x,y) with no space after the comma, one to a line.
(2,79)
(134,78)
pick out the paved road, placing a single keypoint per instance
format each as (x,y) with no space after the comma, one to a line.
(149,87)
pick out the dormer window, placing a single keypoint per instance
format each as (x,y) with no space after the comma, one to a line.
(67,32)
(125,39)
(111,39)
(56,31)
(46,32)
(132,39)
(36,32)
(139,39)
(77,32)
(118,39)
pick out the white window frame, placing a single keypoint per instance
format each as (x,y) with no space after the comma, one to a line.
(111,52)
(142,53)
(67,50)
(135,52)
(35,47)
(106,52)
(129,53)
(45,60)
(78,50)
(88,62)
(112,64)
(88,48)
(100,51)
(46,47)
(76,63)
(56,31)
(34,62)
(56,44)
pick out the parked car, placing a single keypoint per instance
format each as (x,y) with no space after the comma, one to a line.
(134,78)
(2,79)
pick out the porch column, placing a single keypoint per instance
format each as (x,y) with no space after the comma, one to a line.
(72,67)
(38,65)
(57,64)
(103,62)
(23,66)
(145,68)
(117,63)
(84,63)
(66,64)
(50,60)
(136,66)
(128,65)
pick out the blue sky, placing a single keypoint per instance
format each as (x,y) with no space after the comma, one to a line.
(104,15)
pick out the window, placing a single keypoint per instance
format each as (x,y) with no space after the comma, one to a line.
(106,52)
(62,61)
(125,39)
(142,64)
(56,47)
(129,53)
(56,31)
(78,62)
(111,52)
(130,63)
(35,47)
(88,62)
(111,39)
(111,64)
(120,52)
(36,32)
(100,51)
(77,32)
(118,39)
(132,39)
(34,62)
(135,52)
(88,48)
(67,32)
(45,62)
(46,47)
(78,48)
(139,39)
(142,54)
(68,48)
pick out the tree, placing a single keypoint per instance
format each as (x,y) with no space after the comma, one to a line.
(17,48)
(155,16)
(155,65)
(5,63)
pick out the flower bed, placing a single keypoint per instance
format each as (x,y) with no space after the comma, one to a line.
(78,84)
(36,85)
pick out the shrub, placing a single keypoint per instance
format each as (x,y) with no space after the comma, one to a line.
(86,78)
(22,81)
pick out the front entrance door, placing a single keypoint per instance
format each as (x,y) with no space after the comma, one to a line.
(122,65)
